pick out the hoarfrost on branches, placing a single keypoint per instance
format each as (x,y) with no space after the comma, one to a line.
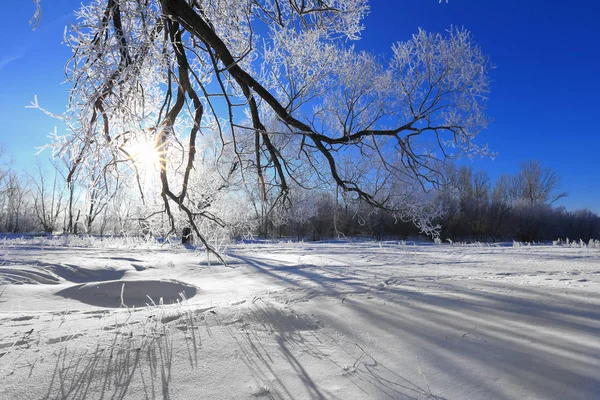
(281,86)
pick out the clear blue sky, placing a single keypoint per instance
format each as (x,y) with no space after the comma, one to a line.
(545,98)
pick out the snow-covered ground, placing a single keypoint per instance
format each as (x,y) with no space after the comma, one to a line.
(299,321)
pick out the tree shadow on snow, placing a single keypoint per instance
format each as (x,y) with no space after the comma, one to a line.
(282,348)
(492,341)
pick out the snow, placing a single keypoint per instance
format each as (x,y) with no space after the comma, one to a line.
(337,320)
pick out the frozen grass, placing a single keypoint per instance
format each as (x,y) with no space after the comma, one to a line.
(129,242)
(87,241)
(591,244)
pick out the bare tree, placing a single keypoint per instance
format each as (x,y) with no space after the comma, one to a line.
(14,203)
(71,220)
(530,194)
(166,71)
(48,196)
(533,184)
(14,193)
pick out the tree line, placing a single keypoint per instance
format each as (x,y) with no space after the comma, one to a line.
(515,207)
(470,208)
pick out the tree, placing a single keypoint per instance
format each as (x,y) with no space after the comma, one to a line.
(163,72)
(531,193)
(14,204)
(533,184)
(47,198)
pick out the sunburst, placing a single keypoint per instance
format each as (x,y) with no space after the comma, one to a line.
(147,155)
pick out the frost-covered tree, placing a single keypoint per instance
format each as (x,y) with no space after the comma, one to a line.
(531,193)
(166,71)
(533,184)
(48,197)
(14,203)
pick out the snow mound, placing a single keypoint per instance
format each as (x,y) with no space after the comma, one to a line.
(19,275)
(51,274)
(136,293)
(77,274)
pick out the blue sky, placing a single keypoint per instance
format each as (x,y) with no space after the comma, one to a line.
(545,99)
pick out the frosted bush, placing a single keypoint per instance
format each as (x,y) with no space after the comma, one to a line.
(88,241)
(580,244)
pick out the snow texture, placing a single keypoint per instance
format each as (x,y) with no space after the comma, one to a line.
(339,320)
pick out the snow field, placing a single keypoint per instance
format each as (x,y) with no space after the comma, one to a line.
(336,320)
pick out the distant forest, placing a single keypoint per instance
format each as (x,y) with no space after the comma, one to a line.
(516,207)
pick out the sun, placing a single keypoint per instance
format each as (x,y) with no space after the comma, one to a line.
(146,155)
